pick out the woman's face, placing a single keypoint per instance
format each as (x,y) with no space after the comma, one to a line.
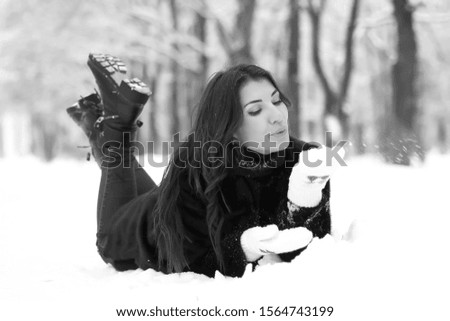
(264,128)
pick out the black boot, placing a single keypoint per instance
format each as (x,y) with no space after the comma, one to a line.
(86,112)
(122,106)
(126,100)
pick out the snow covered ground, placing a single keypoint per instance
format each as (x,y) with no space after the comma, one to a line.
(393,265)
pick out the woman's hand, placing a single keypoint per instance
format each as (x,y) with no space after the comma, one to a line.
(289,240)
(310,175)
(253,241)
(258,241)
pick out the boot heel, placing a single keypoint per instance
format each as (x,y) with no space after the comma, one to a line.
(135,91)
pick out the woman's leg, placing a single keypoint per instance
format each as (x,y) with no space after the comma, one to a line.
(144,182)
(117,189)
(122,181)
(122,188)
(118,186)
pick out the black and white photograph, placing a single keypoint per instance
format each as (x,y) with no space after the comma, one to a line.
(234,159)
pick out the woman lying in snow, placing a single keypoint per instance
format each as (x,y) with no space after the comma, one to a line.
(237,190)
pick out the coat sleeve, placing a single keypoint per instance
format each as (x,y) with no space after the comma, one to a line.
(316,219)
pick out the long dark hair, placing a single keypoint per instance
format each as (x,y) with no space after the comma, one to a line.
(219,115)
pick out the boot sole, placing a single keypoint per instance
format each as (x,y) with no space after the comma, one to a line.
(133,90)
(107,66)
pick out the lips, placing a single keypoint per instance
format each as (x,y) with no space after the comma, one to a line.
(279,132)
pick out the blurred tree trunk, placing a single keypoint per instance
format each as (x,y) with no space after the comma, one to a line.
(153,83)
(200,33)
(197,80)
(237,44)
(402,140)
(244,23)
(359,144)
(46,133)
(442,136)
(293,69)
(154,77)
(1,140)
(175,73)
(334,98)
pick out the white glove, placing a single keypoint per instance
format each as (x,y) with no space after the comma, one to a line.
(289,240)
(310,175)
(258,241)
(252,241)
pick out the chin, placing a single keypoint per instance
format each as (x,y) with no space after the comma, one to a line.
(280,144)
(283,142)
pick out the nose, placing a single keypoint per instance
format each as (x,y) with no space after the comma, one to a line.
(275,115)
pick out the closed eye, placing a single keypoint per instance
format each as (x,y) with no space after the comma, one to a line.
(278,102)
(254,112)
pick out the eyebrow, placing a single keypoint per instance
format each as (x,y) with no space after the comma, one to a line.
(259,100)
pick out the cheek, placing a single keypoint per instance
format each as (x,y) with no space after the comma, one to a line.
(285,111)
(250,129)
(256,125)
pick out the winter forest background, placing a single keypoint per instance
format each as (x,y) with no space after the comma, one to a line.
(374,72)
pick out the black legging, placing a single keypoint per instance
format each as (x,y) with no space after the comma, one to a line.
(118,186)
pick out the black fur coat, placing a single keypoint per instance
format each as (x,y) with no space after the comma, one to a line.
(254,194)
